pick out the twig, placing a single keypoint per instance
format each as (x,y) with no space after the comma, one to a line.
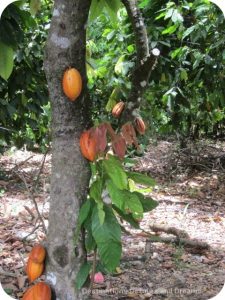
(93,270)
(178,241)
(29,211)
(40,170)
(21,163)
(33,230)
(169,230)
(34,201)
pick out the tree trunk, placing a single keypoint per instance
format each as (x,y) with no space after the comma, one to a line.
(70,171)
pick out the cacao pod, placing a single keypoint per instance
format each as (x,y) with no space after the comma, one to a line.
(40,291)
(34,270)
(72,83)
(119,146)
(28,294)
(88,145)
(37,254)
(140,125)
(117,109)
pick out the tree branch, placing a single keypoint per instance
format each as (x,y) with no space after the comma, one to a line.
(139,28)
(145,63)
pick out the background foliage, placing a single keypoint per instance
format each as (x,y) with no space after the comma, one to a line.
(186,92)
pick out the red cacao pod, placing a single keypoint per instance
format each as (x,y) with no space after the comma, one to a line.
(88,145)
(38,254)
(34,270)
(140,125)
(119,146)
(72,83)
(117,109)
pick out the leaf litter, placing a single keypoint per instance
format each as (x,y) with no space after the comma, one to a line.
(191,194)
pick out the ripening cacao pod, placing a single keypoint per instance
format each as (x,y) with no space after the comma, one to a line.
(34,270)
(38,254)
(140,125)
(40,291)
(88,145)
(117,109)
(28,294)
(72,83)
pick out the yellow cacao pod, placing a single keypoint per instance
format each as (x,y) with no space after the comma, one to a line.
(72,83)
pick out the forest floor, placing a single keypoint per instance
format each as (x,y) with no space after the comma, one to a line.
(188,259)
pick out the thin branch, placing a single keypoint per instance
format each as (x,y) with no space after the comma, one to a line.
(34,201)
(93,269)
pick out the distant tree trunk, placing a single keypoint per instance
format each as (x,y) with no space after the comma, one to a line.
(70,171)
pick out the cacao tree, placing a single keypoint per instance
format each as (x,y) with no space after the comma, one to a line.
(66,48)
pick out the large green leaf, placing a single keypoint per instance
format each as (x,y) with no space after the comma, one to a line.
(90,243)
(112,166)
(96,9)
(96,190)
(133,203)
(83,275)
(124,199)
(141,178)
(108,238)
(117,196)
(6,61)
(148,203)
(127,217)
(84,211)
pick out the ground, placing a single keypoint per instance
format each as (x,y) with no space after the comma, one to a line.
(186,262)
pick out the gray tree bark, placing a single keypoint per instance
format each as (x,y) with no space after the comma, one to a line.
(70,171)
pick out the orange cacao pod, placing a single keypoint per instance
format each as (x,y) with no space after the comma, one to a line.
(88,145)
(40,291)
(28,294)
(34,270)
(37,254)
(72,83)
(140,125)
(117,109)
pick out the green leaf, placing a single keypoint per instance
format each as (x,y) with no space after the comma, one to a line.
(101,214)
(96,190)
(90,243)
(127,217)
(148,203)
(108,238)
(133,203)
(96,9)
(141,178)
(188,31)
(84,211)
(35,6)
(183,75)
(114,169)
(83,275)
(6,61)
(123,199)
(113,98)
(117,196)
(170,29)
